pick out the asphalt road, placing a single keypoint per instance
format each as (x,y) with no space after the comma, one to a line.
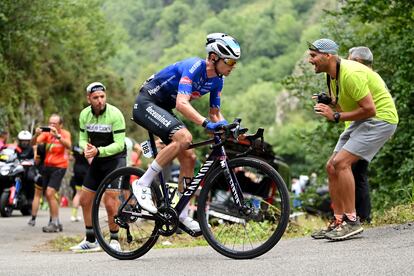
(379,251)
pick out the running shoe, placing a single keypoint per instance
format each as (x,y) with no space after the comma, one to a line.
(114,244)
(346,230)
(321,234)
(85,246)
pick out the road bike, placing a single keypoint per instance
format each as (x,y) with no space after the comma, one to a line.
(242,208)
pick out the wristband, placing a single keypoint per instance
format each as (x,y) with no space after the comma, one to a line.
(337,116)
(204,124)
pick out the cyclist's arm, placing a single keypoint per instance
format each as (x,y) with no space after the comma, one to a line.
(184,106)
(215,114)
(185,88)
(215,102)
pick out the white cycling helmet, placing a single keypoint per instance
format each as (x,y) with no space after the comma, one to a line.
(223,45)
(24,135)
(95,86)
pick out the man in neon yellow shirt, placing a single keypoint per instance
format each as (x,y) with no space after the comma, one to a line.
(358,95)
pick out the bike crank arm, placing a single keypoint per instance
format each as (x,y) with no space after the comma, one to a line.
(189,231)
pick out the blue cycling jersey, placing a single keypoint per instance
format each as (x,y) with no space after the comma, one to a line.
(187,77)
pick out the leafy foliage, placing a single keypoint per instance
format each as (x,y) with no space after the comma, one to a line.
(385,27)
(49,51)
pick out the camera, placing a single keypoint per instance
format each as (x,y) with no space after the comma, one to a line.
(323,98)
(45,128)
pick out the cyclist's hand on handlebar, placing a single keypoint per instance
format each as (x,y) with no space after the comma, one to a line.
(214,126)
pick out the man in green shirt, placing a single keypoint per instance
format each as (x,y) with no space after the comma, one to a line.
(358,95)
(101,136)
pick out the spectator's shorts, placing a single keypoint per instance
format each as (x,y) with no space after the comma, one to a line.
(76,182)
(52,177)
(99,169)
(365,138)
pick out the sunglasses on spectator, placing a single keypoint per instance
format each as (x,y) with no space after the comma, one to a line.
(229,61)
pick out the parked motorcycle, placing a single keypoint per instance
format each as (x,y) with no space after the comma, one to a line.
(12,176)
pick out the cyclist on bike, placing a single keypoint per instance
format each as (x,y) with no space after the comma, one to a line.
(174,87)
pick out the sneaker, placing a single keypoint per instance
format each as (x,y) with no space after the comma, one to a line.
(144,197)
(191,224)
(85,246)
(114,244)
(52,228)
(321,234)
(32,222)
(75,219)
(345,230)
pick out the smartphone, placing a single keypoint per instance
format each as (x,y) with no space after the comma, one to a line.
(45,128)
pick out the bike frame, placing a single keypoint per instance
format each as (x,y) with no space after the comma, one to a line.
(218,154)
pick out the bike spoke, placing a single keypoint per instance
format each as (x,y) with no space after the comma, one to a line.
(123,230)
(254,228)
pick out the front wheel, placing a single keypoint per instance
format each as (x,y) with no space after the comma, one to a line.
(251,230)
(121,227)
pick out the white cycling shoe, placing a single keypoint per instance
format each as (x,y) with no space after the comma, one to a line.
(191,224)
(144,197)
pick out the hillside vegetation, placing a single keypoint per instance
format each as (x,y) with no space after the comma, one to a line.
(51,50)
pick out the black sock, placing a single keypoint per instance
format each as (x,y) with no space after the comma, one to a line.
(33,217)
(90,236)
(114,235)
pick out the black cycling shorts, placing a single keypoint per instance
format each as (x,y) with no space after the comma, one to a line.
(159,120)
(76,181)
(99,169)
(52,177)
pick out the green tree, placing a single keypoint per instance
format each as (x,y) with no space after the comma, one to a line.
(49,52)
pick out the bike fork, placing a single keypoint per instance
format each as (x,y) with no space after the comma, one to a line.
(233,184)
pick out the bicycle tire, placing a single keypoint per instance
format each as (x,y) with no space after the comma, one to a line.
(144,231)
(226,228)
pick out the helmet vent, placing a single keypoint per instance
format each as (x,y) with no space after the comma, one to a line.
(231,50)
(223,50)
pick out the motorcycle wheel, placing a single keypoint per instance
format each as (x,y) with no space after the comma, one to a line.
(26,207)
(5,209)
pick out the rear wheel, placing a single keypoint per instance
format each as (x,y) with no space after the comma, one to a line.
(5,209)
(254,229)
(122,228)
